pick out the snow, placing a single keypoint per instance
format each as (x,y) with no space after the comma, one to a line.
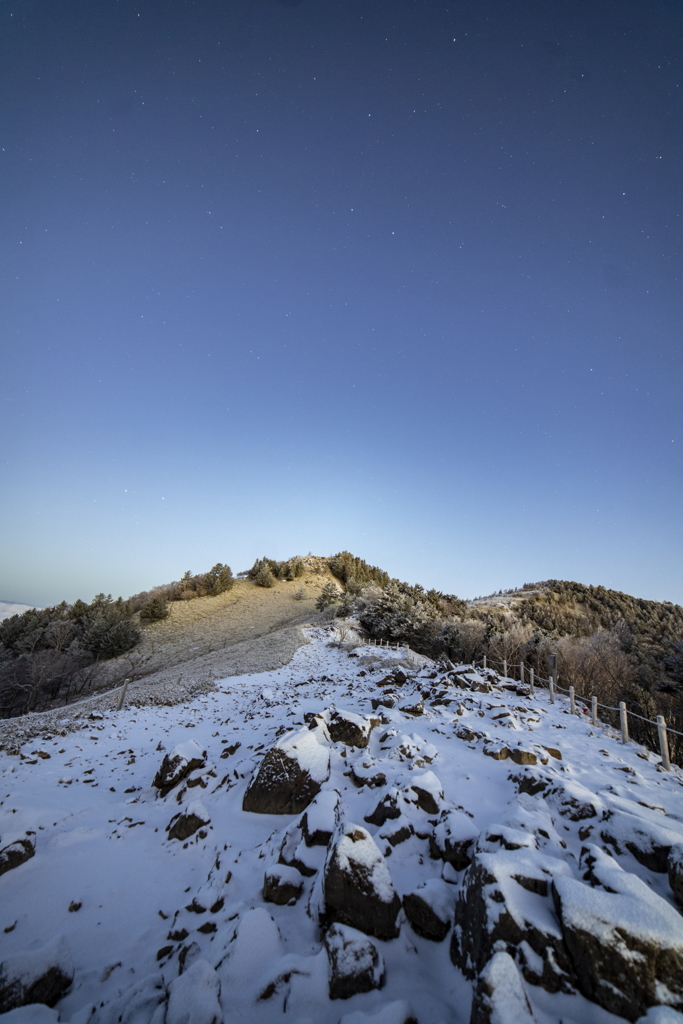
(305,748)
(353,845)
(508,999)
(103,843)
(188,751)
(193,996)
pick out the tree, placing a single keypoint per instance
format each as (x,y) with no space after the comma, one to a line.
(327,596)
(155,609)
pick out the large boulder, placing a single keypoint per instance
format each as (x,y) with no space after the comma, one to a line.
(505,904)
(347,727)
(355,964)
(625,942)
(17,852)
(429,908)
(37,976)
(182,760)
(499,997)
(290,775)
(358,890)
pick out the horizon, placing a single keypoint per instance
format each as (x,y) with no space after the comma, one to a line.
(402,279)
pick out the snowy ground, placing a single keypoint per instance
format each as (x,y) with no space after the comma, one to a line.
(106,878)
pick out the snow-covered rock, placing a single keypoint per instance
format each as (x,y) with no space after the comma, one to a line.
(500,997)
(625,942)
(189,821)
(290,776)
(143,1001)
(396,1012)
(505,904)
(429,908)
(36,1013)
(282,884)
(182,760)
(649,841)
(17,852)
(358,889)
(193,998)
(321,818)
(355,964)
(36,976)
(453,838)
(675,872)
(350,728)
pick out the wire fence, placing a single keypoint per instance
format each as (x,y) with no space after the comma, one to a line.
(527,676)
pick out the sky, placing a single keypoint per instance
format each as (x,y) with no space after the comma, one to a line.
(397,277)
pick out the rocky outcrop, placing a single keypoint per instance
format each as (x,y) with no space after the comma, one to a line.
(504,904)
(429,908)
(355,964)
(183,759)
(38,976)
(625,942)
(189,821)
(290,776)
(499,997)
(349,728)
(282,885)
(358,890)
(18,852)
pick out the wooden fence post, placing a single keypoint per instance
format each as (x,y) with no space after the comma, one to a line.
(594,711)
(484,665)
(531,682)
(122,699)
(623,719)
(551,687)
(572,701)
(505,668)
(663,743)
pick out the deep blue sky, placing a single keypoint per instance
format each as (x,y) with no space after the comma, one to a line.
(398,277)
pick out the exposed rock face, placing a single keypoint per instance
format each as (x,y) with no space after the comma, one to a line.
(453,839)
(504,899)
(522,755)
(347,727)
(574,801)
(625,942)
(358,889)
(282,885)
(290,776)
(675,867)
(39,976)
(185,824)
(413,706)
(367,774)
(321,818)
(16,853)
(430,909)
(182,760)
(355,964)
(499,997)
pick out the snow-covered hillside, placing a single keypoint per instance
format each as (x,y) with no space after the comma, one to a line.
(413,799)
